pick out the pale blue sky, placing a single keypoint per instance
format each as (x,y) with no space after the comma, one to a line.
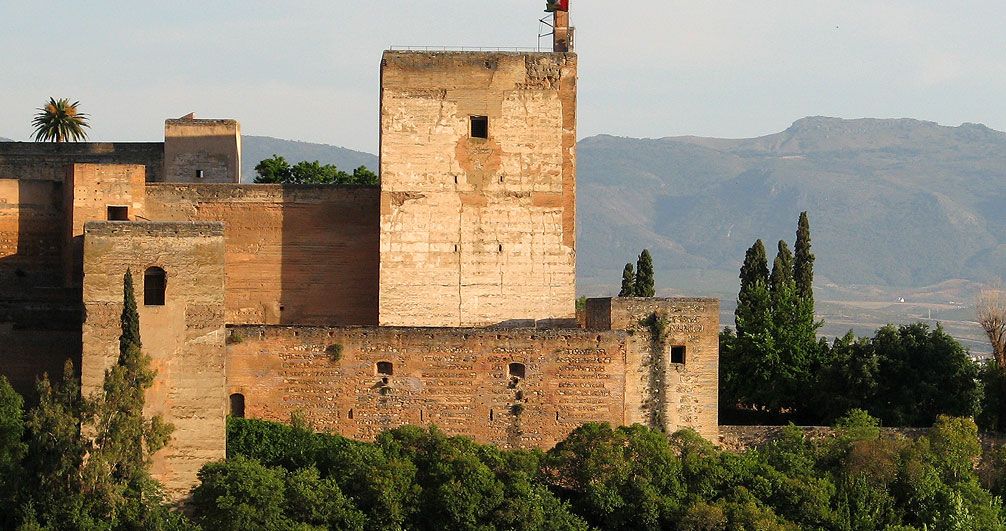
(308,70)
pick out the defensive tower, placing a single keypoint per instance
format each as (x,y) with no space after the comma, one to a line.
(478,181)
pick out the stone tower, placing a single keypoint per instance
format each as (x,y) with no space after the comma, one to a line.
(478,181)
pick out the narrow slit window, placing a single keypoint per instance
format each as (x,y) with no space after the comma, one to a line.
(678,354)
(155,283)
(199,174)
(385,368)
(238,405)
(480,127)
(118,213)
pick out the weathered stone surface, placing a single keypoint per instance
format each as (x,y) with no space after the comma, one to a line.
(31,238)
(457,378)
(184,337)
(673,394)
(477,231)
(89,191)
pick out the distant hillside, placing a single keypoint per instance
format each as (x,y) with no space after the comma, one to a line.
(894,203)
(2,139)
(257,148)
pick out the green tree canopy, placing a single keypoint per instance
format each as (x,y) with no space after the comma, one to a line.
(60,121)
(276,170)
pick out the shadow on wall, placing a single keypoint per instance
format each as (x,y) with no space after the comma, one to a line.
(39,317)
(329,268)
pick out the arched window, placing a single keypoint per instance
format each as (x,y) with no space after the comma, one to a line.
(154,284)
(238,405)
(385,368)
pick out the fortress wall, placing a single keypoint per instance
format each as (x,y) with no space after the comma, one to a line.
(295,253)
(48,161)
(454,378)
(212,147)
(31,237)
(670,394)
(184,337)
(89,191)
(477,231)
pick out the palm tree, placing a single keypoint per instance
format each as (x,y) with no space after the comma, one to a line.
(59,121)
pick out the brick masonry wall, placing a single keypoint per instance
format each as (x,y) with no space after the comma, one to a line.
(295,253)
(184,337)
(477,231)
(48,161)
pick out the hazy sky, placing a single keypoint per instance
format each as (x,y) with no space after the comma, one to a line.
(308,70)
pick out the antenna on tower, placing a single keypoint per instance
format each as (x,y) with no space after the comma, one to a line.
(561,32)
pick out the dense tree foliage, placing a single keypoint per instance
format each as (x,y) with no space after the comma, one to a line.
(771,360)
(76,462)
(773,368)
(287,477)
(277,170)
(803,261)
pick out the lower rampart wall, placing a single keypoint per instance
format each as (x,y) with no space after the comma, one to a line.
(458,379)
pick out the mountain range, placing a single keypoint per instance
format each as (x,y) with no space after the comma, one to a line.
(900,204)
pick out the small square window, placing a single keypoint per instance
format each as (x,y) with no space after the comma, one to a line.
(480,127)
(678,355)
(118,213)
(199,174)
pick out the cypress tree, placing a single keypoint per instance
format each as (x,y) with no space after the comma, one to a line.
(628,281)
(643,287)
(750,359)
(130,319)
(754,277)
(782,270)
(803,266)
